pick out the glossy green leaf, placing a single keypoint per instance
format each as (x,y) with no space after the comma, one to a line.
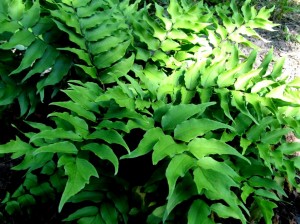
(269,184)
(179,113)
(109,213)
(178,167)
(199,212)
(226,212)
(166,146)
(15,146)
(59,147)
(53,134)
(255,131)
(33,52)
(16,9)
(246,80)
(103,152)
(192,75)
(193,128)
(82,54)
(106,59)
(267,194)
(97,219)
(201,147)
(79,172)
(150,138)
(44,63)
(21,37)
(277,69)
(239,102)
(82,212)
(119,69)
(59,70)
(106,44)
(75,38)
(266,207)
(208,163)
(77,108)
(31,16)
(79,124)
(183,191)
(247,191)
(110,136)
(224,101)
(273,137)
(289,148)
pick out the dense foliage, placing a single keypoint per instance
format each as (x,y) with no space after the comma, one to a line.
(163,118)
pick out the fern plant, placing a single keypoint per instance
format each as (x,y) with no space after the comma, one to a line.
(169,122)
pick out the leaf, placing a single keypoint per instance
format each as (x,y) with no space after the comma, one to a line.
(79,124)
(44,63)
(166,146)
(169,45)
(21,37)
(239,102)
(110,136)
(79,172)
(246,9)
(54,134)
(16,9)
(178,167)
(199,212)
(77,108)
(210,74)
(15,146)
(119,69)
(266,207)
(26,200)
(289,148)
(277,69)
(59,70)
(224,98)
(87,195)
(266,183)
(82,212)
(201,147)
(147,143)
(106,44)
(183,191)
(82,54)
(226,212)
(247,190)
(192,75)
(31,16)
(91,220)
(179,113)
(109,213)
(75,38)
(59,147)
(33,52)
(267,194)
(91,71)
(244,81)
(103,152)
(208,163)
(273,137)
(193,128)
(106,59)
(255,131)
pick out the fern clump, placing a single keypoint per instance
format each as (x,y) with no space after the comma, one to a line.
(164,119)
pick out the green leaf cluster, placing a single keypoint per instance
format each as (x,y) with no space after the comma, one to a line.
(164,118)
